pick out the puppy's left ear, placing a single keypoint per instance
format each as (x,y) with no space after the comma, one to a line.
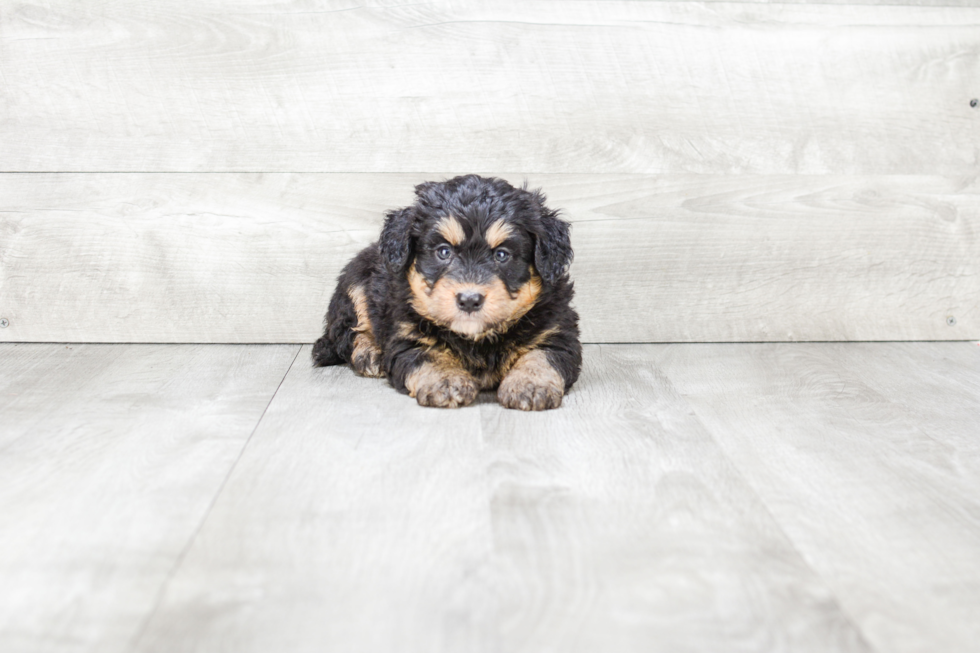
(396,239)
(553,246)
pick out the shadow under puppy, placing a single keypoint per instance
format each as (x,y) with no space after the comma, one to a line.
(466,290)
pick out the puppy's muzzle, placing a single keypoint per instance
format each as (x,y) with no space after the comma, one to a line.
(470,301)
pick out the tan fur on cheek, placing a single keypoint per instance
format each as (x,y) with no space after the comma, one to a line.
(418,284)
(500,309)
(532,384)
(436,302)
(421,292)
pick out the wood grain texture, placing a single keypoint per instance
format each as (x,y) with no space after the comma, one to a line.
(620,526)
(937,384)
(178,258)
(254,257)
(736,497)
(110,457)
(880,498)
(355,521)
(540,87)
(915,3)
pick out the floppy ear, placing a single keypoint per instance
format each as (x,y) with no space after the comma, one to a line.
(396,239)
(552,247)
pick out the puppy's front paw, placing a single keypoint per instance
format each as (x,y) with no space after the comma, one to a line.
(533,384)
(527,395)
(445,388)
(449,392)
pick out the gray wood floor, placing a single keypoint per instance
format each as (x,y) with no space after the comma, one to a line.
(748,497)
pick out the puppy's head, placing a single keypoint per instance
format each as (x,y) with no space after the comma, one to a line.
(477,252)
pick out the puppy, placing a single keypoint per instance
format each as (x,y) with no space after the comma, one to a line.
(466,290)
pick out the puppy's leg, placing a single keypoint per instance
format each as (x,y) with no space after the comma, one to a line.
(440,384)
(334,347)
(540,377)
(349,336)
(532,383)
(435,378)
(365,355)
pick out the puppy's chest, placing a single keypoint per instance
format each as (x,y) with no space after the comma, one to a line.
(487,362)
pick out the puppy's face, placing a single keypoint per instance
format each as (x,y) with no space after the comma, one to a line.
(477,252)
(473,272)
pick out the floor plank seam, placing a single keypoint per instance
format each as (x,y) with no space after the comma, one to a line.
(141,630)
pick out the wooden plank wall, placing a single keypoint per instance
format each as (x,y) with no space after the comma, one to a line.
(200,172)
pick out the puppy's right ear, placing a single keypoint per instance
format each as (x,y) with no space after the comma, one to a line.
(396,239)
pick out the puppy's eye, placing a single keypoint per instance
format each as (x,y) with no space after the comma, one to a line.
(501,255)
(444,252)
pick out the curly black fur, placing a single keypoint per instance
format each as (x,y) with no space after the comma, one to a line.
(443,353)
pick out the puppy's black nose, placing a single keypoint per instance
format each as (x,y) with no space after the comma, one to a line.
(469,301)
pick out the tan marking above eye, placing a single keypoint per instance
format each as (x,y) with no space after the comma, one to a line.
(451,230)
(498,232)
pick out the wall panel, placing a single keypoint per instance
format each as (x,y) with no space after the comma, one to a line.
(538,87)
(253,257)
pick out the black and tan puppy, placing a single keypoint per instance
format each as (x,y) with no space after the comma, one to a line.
(466,290)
